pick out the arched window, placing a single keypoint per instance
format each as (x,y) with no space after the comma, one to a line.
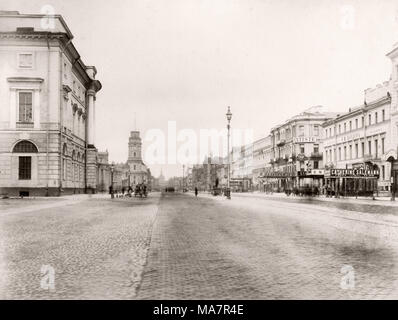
(65,150)
(25,147)
(25,162)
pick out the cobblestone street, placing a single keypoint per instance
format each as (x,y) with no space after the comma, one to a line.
(257,248)
(97,246)
(176,246)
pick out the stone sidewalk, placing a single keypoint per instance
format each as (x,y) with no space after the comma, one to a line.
(384,201)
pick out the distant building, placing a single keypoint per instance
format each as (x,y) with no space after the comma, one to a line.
(138,170)
(262,150)
(212,173)
(104,172)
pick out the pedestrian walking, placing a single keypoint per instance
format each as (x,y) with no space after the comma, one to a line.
(196,191)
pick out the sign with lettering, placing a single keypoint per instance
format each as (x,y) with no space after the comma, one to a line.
(304,139)
(312,172)
(352,173)
(277,174)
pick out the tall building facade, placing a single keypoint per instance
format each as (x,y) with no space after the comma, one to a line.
(296,151)
(356,143)
(391,154)
(47,109)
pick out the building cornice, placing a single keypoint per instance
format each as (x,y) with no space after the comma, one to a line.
(40,16)
(359,110)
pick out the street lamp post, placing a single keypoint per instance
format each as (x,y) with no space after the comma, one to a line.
(112,169)
(183,169)
(229,117)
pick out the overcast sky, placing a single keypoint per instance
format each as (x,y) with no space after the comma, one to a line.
(187,60)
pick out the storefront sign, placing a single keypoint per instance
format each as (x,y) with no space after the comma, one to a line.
(277,174)
(304,139)
(313,172)
(352,173)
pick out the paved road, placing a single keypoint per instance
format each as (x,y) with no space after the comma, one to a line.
(97,247)
(177,246)
(257,248)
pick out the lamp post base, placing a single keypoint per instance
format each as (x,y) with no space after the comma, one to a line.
(228,193)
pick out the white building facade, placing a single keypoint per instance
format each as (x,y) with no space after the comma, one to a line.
(359,139)
(47,109)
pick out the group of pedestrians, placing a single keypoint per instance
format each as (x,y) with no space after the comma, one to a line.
(140,189)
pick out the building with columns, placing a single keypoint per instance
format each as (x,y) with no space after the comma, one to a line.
(47,109)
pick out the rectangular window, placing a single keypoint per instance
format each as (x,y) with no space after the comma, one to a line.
(383,172)
(363,148)
(330,131)
(383,115)
(339,153)
(369,147)
(376,117)
(345,127)
(302,150)
(316,148)
(370,119)
(356,123)
(350,154)
(25,60)
(301,131)
(316,165)
(25,107)
(356,151)
(350,125)
(376,147)
(316,130)
(339,128)
(382,145)
(25,168)
(345,153)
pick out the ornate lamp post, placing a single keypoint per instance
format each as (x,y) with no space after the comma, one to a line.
(229,117)
(112,169)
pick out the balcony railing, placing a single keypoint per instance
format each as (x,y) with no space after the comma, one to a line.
(281,143)
(316,155)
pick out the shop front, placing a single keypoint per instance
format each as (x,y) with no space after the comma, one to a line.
(241,184)
(351,182)
(310,182)
(278,181)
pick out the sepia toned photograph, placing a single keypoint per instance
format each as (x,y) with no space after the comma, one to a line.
(198,150)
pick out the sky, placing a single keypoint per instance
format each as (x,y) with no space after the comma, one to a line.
(187,60)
